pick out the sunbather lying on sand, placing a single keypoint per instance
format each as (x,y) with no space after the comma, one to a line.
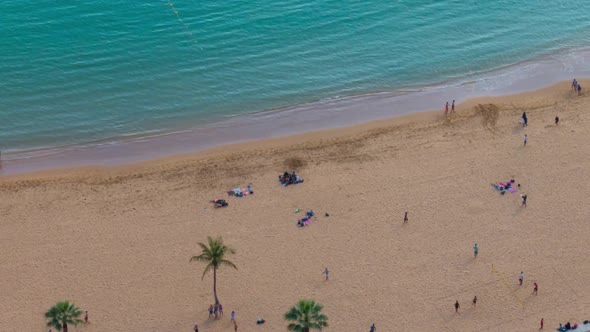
(219,203)
(303,222)
(238,192)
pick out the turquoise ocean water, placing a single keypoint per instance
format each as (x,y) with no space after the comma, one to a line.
(88,71)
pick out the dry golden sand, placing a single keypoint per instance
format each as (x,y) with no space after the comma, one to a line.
(118,241)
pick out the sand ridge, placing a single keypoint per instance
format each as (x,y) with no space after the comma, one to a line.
(117,241)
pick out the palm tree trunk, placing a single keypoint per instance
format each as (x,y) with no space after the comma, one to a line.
(65,327)
(215,285)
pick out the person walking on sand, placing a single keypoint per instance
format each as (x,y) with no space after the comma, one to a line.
(574,85)
(524,197)
(475,250)
(556,120)
(447,108)
(216,311)
(521,278)
(542,323)
(406,218)
(579,89)
(220,310)
(373,328)
(86,317)
(525,119)
(327,274)
(535,288)
(457,307)
(196,327)
(526,139)
(233,316)
(453,106)
(475,300)
(210,310)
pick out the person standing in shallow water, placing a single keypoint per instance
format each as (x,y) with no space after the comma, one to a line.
(453,106)
(447,108)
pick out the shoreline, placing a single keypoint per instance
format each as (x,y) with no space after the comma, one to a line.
(305,118)
(420,118)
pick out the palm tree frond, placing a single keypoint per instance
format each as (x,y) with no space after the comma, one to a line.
(305,316)
(207,269)
(200,258)
(63,312)
(228,263)
(294,327)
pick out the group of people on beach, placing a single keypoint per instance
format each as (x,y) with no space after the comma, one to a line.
(289,178)
(216,311)
(292,178)
(576,87)
(452,107)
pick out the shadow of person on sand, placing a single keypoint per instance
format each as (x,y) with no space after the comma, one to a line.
(517,128)
(518,210)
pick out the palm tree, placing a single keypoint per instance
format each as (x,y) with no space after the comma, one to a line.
(306,316)
(214,256)
(62,314)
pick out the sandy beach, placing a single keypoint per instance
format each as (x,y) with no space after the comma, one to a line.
(117,241)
